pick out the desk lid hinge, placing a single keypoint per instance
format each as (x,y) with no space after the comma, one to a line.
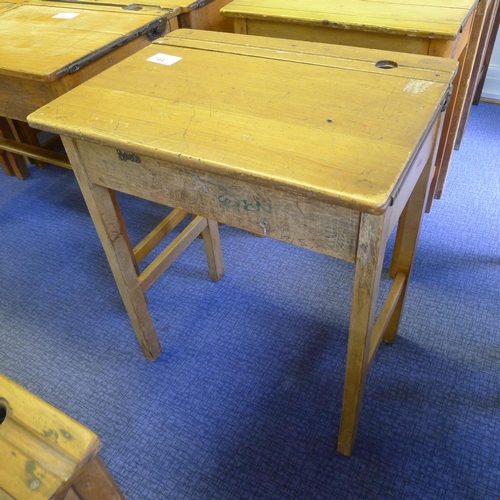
(152,30)
(446,99)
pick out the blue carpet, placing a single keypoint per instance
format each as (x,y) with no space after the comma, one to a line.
(244,402)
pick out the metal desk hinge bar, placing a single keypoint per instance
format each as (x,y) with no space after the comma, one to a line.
(131,6)
(446,100)
(198,4)
(152,30)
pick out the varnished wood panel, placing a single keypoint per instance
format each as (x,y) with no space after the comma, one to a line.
(298,135)
(294,219)
(424,18)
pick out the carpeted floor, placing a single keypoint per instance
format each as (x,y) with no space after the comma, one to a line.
(244,402)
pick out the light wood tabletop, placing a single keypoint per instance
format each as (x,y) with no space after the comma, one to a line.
(52,48)
(317,145)
(45,453)
(203,15)
(443,28)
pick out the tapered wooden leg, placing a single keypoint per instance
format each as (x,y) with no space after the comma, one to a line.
(114,238)
(409,229)
(94,482)
(369,259)
(406,242)
(213,250)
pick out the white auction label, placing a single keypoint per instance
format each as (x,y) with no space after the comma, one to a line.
(165,59)
(65,15)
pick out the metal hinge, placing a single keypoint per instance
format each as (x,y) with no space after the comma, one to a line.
(152,30)
(446,99)
(198,4)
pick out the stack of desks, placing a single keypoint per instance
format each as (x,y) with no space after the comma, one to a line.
(448,28)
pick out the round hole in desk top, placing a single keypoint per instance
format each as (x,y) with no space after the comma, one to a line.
(132,6)
(386,64)
(3,410)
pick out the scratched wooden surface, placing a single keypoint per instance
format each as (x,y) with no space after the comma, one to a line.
(40,52)
(436,18)
(291,218)
(31,65)
(41,447)
(172,9)
(188,14)
(344,132)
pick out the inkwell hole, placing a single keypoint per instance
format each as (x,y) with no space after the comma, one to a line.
(386,64)
(3,412)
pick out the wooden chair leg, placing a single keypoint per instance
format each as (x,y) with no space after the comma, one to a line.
(94,482)
(115,241)
(369,259)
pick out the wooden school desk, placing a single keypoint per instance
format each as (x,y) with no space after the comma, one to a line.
(202,15)
(484,41)
(46,454)
(427,27)
(53,47)
(317,145)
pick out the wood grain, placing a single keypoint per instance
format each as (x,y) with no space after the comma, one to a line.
(425,18)
(299,135)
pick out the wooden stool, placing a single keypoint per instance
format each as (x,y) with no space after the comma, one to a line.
(46,454)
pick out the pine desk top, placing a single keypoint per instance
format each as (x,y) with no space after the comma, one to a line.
(44,47)
(319,120)
(424,18)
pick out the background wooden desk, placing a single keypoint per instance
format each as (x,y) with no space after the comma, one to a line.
(46,454)
(485,43)
(47,56)
(428,27)
(203,15)
(267,135)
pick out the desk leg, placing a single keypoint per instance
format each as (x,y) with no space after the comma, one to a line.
(369,260)
(94,482)
(6,164)
(28,135)
(406,242)
(213,250)
(12,162)
(114,238)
